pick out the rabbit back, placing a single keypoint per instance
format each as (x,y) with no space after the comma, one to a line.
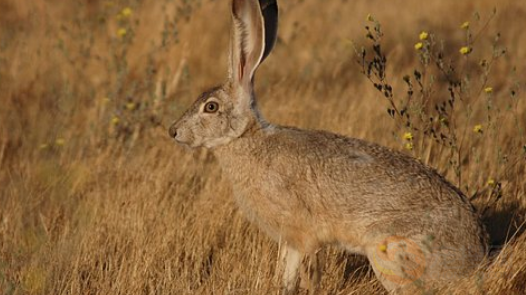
(316,187)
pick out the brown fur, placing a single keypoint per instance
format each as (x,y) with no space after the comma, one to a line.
(313,188)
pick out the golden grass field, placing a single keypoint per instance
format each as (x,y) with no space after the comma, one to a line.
(95,198)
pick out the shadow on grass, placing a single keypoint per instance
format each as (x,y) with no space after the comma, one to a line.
(503,223)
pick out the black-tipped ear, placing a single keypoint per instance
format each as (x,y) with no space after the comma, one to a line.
(254,28)
(248,41)
(269,10)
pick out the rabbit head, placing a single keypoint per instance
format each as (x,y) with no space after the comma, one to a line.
(226,112)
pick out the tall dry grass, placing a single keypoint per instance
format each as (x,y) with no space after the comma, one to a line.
(96,199)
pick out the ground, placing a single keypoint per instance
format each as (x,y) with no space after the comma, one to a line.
(97,199)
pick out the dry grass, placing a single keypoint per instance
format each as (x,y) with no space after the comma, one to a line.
(96,199)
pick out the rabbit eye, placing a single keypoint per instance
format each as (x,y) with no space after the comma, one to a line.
(211,107)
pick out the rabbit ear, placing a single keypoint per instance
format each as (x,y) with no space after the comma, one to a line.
(269,9)
(248,47)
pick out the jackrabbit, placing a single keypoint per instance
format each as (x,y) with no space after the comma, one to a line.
(313,188)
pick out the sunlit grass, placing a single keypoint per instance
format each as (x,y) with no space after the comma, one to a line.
(96,199)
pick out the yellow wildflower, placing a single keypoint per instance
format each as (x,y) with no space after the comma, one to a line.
(126,12)
(130,106)
(60,141)
(419,45)
(465,50)
(409,146)
(423,35)
(370,18)
(115,120)
(488,90)
(478,128)
(464,25)
(491,182)
(408,136)
(122,32)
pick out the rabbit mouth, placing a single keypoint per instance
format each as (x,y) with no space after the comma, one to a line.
(185,142)
(181,138)
(200,142)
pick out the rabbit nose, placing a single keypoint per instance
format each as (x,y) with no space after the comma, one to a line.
(172,131)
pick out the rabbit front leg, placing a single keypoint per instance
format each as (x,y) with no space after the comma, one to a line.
(291,262)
